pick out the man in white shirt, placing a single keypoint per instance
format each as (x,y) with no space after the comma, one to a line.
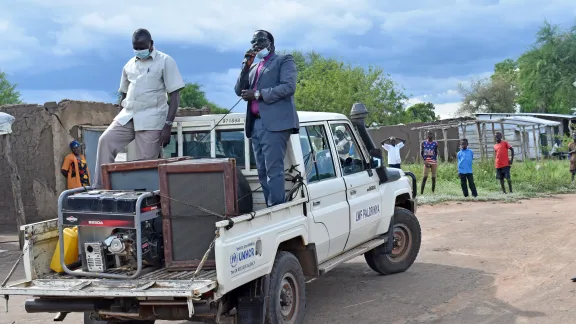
(393,150)
(146,117)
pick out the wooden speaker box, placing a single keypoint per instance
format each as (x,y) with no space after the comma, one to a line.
(134,175)
(188,230)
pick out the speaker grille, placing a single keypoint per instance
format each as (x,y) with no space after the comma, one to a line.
(193,229)
(204,189)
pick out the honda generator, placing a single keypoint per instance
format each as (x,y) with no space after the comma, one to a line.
(116,229)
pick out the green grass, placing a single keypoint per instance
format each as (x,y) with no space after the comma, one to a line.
(529,179)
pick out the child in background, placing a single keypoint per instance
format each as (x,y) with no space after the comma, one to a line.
(465,158)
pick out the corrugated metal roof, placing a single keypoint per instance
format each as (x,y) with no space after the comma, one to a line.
(530,114)
(531,121)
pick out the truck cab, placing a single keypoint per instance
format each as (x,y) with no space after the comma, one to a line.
(341,203)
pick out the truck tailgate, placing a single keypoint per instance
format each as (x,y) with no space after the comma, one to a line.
(160,283)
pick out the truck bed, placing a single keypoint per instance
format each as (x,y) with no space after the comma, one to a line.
(41,281)
(159,283)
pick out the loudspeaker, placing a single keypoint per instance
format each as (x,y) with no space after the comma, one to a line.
(139,175)
(195,194)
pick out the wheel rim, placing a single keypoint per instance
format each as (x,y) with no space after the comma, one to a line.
(402,243)
(288,298)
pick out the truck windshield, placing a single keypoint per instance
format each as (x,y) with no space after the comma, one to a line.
(229,143)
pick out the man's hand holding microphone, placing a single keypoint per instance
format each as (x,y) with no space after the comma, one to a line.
(249,57)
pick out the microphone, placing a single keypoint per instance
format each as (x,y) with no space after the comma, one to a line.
(249,54)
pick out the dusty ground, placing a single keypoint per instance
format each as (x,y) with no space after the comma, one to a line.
(479,263)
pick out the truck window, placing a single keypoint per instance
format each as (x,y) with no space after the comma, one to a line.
(351,159)
(316,152)
(229,143)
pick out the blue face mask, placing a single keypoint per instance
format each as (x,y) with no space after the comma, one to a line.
(142,53)
(263,53)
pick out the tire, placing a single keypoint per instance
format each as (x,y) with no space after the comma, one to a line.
(87,320)
(286,281)
(407,240)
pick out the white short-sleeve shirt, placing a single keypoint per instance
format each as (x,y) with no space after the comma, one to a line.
(147,83)
(393,152)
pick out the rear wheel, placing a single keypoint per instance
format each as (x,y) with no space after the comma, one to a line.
(407,238)
(287,292)
(88,320)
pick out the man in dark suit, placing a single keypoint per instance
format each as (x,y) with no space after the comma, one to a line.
(268,87)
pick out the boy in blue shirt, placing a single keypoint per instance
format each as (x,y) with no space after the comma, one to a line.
(465,158)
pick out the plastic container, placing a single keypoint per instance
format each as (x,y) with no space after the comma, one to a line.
(70,249)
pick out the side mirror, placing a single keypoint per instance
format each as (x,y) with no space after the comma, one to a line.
(376,158)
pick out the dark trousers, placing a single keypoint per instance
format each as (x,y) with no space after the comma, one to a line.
(269,151)
(468,177)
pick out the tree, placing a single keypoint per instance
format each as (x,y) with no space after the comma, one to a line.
(329,85)
(193,96)
(422,112)
(8,93)
(507,69)
(492,95)
(546,72)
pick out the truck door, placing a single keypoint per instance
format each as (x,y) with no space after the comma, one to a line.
(362,189)
(326,190)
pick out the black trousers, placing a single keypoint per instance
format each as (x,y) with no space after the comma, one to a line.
(467,179)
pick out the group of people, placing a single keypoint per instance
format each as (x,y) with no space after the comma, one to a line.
(502,161)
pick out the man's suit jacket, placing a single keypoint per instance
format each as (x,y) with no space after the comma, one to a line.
(277,85)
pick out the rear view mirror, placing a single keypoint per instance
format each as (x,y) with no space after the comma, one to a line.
(376,153)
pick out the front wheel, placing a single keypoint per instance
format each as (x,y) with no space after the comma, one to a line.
(287,292)
(407,238)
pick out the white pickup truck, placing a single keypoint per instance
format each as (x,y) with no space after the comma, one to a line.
(347,205)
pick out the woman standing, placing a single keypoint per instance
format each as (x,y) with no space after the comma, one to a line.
(75,168)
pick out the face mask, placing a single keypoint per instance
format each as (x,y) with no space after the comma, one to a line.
(263,53)
(142,53)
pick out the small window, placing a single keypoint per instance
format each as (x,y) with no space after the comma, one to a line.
(316,152)
(351,159)
(229,144)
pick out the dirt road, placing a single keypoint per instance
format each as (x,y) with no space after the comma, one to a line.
(479,263)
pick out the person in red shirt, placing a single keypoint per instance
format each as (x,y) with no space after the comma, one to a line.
(502,162)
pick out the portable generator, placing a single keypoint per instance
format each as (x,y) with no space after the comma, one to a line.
(116,229)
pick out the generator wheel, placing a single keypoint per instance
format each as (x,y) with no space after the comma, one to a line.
(407,238)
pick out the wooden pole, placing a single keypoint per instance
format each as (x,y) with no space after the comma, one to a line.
(494,131)
(482,156)
(445,138)
(536,146)
(16,189)
(523,142)
(503,131)
(550,135)
(418,156)
(540,144)
(485,140)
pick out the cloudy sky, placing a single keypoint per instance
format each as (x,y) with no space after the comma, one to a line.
(76,49)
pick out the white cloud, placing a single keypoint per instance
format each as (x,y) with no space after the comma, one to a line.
(430,17)
(17,46)
(223,24)
(43,96)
